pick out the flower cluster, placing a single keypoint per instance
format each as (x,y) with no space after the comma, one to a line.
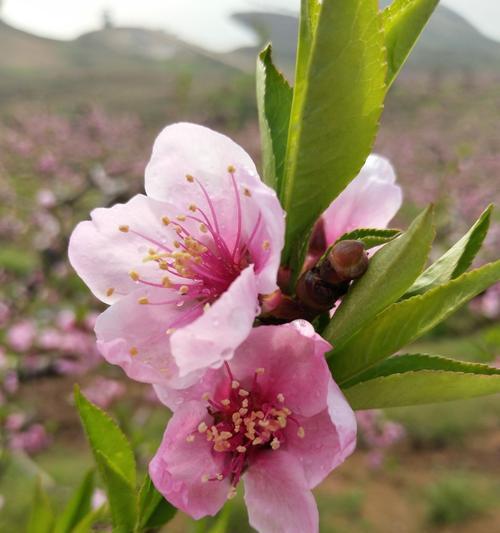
(192,275)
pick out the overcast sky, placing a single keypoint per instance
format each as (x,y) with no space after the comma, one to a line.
(204,22)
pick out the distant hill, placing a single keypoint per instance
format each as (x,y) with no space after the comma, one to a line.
(448,42)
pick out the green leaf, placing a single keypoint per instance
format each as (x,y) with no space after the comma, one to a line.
(406,321)
(154,510)
(403,21)
(337,102)
(87,522)
(390,272)
(41,516)
(371,237)
(106,437)
(274,100)
(418,379)
(456,260)
(121,496)
(78,506)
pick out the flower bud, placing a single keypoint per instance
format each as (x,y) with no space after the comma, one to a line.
(348,259)
(316,294)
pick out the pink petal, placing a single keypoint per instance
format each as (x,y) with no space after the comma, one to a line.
(134,336)
(103,256)
(212,338)
(278,497)
(370,201)
(329,438)
(184,148)
(292,356)
(178,466)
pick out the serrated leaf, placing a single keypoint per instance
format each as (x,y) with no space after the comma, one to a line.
(106,437)
(154,510)
(121,496)
(403,21)
(78,506)
(274,101)
(456,260)
(390,272)
(419,379)
(336,108)
(41,516)
(406,321)
(309,14)
(371,237)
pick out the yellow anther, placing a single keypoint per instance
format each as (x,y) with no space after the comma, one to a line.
(235,384)
(243,392)
(231,169)
(189,178)
(236,418)
(183,289)
(202,427)
(193,207)
(260,370)
(203,228)
(190,438)
(143,300)
(244,403)
(241,449)
(124,228)
(257,441)
(163,266)
(280,398)
(134,275)
(181,218)
(264,423)
(247,192)
(282,421)
(266,245)
(133,351)
(225,435)
(110,291)
(243,411)
(232,493)
(205,478)
(165,220)
(275,443)
(219,477)
(166,282)
(206,307)
(170,331)
(259,414)
(206,396)
(301,432)
(225,402)
(177,244)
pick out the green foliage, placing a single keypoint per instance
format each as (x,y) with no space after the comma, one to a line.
(419,379)
(78,506)
(337,102)
(403,21)
(114,456)
(391,271)
(406,321)
(17,261)
(274,99)
(456,498)
(154,510)
(41,518)
(371,237)
(456,260)
(106,438)
(121,495)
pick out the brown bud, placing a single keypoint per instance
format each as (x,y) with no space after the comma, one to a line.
(314,293)
(348,259)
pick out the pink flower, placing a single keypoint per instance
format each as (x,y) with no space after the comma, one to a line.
(32,440)
(273,417)
(183,266)
(21,336)
(46,198)
(370,201)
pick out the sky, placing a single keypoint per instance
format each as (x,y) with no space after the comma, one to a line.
(203,22)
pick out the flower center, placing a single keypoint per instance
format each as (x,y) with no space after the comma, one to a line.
(244,424)
(201,262)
